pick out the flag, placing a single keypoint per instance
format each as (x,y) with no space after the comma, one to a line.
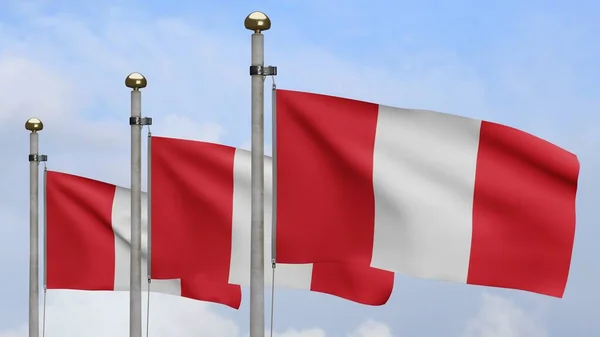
(422,193)
(201,209)
(88,232)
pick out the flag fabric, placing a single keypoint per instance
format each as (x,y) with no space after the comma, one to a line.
(201,209)
(88,231)
(422,193)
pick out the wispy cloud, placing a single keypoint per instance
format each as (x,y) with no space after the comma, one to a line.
(500,317)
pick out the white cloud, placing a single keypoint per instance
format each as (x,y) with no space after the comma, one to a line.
(27,86)
(368,328)
(372,329)
(313,332)
(500,317)
(101,314)
(75,313)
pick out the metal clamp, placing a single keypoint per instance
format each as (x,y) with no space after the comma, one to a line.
(38,157)
(263,70)
(140,121)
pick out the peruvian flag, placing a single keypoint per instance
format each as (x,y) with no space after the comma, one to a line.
(88,243)
(201,203)
(422,193)
(200,232)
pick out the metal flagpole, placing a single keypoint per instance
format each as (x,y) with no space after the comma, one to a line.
(45,269)
(149,220)
(34,125)
(149,229)
(257,22)
(136,81)
(274,201)
(274,170)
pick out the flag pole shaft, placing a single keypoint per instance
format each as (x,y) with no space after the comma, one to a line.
(135,286)
(274,170)
(135,81)
(257,22)
(149,207)
(34,125)
(33,237)
(257,237)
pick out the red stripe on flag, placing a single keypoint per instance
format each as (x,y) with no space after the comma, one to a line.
(325,198)
(523,212)
(320,216)
(80,239)
(356,282)
(192,213)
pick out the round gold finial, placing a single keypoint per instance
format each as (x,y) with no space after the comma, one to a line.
(257,22)
(34,124)
(135,81)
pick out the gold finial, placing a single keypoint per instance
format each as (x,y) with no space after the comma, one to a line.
(34,124)
(257,22)
(136,81)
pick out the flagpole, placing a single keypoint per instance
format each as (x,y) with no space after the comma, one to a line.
(149,207)
(136,81)
(34,125)
(274,186)
(257,22)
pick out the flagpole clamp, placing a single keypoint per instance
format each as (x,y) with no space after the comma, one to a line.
(38,158)
(140,121)
(263,70)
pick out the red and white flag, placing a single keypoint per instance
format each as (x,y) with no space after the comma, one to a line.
(422,193)
(88,244)
(201,202)
(200,232)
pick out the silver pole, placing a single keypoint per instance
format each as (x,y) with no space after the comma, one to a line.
(273,203)
(136,81)
(274,170)
(257,236)
(149,196)
(34,125)
(45,243)
(149,228)
(33,236)
(257,22)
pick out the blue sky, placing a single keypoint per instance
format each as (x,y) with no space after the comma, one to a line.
(533,65)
